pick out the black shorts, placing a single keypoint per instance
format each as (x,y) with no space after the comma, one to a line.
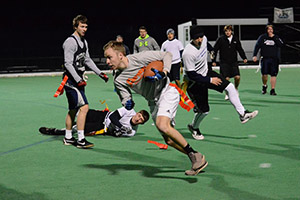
(94,120)
(198,92)
(175,72)
(269,66)
(229,69)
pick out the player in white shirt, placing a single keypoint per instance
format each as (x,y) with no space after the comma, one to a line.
(201,78)
(121,122)
(175,47)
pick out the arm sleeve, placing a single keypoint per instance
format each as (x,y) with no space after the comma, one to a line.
(115,119)
(70,47)
(123,91)
(240,49)
(149,56)
(257,45)
(197,77)
(135,48)
(216,49)
(155,45)
(90,63)
(278,41)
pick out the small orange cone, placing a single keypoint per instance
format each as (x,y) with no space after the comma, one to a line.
(160,145)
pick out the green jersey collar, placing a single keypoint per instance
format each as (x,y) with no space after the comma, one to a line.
(144,37)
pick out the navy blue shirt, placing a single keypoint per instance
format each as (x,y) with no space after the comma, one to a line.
(270,46)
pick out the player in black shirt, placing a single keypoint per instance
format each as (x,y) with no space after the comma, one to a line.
(269,45)
(229,45)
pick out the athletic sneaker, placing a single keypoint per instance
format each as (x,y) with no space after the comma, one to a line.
(47,131)
(272,92)
(69,142)
(51,131)
(84,144)
(197,135)
(264,89)
(198,163)
(248,115)
(226,97)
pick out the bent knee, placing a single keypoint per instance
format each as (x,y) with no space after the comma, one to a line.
(162,126)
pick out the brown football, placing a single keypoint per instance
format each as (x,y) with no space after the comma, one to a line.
(159,65)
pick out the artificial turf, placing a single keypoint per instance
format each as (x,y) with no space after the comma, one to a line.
(256,160)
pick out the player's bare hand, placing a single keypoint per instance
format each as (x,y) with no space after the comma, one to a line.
(245,61)
(216,81)
(214,64)
(254,59)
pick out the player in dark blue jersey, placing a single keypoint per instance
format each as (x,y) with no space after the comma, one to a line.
(269,45)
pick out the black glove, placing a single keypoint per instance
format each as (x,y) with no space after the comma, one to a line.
(103,76)
(123,130)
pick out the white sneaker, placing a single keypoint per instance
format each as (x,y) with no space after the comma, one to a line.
(197,135)
(248,115)
(226,97)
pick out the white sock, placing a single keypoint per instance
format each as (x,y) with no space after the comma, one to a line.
(234,99)
(68,134)
(80,134)
(198,117)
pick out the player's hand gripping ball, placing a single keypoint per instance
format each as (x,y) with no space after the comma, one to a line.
(154,71)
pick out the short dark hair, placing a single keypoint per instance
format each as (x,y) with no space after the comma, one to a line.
(143,27)
(79,18)
(145,115)
(196,32)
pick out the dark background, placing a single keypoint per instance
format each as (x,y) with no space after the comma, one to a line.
(38,29)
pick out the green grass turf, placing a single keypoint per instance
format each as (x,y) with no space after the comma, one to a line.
(37,167)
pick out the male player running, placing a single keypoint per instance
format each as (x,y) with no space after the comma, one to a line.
(162,98)
(202,78)
(121,122)
(76,58)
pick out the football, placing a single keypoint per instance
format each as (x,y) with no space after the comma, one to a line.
(159,65)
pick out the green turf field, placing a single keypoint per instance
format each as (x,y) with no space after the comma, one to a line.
(259,160)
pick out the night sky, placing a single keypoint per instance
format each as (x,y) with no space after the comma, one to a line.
(39,29)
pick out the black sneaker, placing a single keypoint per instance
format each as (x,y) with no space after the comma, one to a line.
(84,144)
(197,135)
(272,92)
(47,131)
(264,89)
(51,131)
(69,142)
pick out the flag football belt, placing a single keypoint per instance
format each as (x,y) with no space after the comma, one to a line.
(60,89)
(183,99)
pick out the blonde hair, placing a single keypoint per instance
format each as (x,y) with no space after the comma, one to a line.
(228,27)
(116,46)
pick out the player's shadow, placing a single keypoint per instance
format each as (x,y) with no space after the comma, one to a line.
(285,150)
(187,134)
(146,171)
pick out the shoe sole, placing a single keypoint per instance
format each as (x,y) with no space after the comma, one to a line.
(68,144)
(85,147)
(197,171)
(255,114)
(196,138)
